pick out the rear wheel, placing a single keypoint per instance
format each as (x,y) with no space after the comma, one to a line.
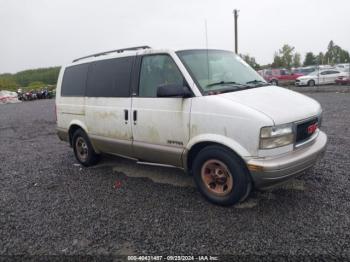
(83,149)
(311,83)
(221,176)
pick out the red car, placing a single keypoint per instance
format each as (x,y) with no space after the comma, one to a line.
(342,80)
(279,76)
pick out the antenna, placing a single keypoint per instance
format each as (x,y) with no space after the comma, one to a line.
(206,34)
(206,46)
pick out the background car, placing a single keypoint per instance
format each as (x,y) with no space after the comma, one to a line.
(279,76)
(343,80)
(343,67)
(319,77)
(304,70)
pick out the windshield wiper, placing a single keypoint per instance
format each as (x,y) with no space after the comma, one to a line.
(257,82)
(224,83)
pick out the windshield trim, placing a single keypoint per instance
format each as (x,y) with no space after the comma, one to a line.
(199,87)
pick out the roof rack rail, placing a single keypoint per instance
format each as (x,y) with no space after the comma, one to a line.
(113,51)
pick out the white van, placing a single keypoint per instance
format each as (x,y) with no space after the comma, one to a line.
(205,111)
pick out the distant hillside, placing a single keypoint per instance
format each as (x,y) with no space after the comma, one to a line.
(33,77)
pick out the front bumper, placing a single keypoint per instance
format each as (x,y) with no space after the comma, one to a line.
(300,83)
(269,172)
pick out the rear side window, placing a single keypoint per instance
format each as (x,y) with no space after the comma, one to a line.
(74,80)
(110,78)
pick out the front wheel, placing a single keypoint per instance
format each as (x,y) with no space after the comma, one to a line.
(311,83)
(221,176)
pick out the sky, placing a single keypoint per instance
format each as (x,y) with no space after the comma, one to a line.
(42,33)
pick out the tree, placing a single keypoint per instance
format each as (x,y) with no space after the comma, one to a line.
(310,59)
(7,83)
(277,60)
(48,76)
(296,60)
(287,55)
(284,57)
(250,60)
(36,85)
(320,58)
(335,54)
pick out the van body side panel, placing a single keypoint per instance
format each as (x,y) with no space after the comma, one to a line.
(108,130)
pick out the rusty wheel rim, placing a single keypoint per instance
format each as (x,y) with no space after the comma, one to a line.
(81,148)
(217,177)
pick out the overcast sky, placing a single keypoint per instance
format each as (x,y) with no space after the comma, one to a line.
(41,33)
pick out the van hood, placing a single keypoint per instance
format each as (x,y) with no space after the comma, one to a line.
(280,104)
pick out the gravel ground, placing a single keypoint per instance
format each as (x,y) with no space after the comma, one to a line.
(51,206)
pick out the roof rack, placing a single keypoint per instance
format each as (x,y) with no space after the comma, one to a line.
(113,51)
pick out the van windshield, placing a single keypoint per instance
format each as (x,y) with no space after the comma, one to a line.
(219,71)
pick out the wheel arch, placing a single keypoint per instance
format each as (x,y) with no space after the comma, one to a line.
(73,126)
(198,143)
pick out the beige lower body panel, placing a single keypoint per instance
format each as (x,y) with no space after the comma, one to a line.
(62,134)
(158,153)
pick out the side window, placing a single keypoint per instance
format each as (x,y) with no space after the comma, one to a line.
(324,73)
(158,70)
(110,78)
(74,80)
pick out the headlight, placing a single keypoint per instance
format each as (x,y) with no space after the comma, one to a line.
(276,136)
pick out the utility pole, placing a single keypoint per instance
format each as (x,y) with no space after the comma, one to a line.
(235,12)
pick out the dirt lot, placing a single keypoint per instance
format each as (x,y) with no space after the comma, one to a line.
(51,206)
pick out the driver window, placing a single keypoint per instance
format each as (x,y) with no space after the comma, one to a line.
(158,70)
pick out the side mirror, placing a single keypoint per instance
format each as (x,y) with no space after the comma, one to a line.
(173,91)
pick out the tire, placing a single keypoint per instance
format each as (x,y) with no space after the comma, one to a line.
(274,82)
(221,176)
(311,83)
(83,149)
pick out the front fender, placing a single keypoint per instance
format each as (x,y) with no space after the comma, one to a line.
(218,139)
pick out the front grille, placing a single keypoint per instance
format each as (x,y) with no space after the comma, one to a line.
(302,133)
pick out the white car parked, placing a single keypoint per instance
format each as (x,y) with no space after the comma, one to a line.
(205,111)
(319,77)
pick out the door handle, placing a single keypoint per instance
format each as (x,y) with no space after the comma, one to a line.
(126,115)
(135,116)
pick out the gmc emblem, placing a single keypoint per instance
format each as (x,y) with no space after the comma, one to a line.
(311,128)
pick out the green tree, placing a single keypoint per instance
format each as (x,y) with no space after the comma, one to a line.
(277,61)
(335,54)
(47,76)
(7,83)
(250,60)
(36,85)
(284,57)
(320,58)
(310,59)
(296,60)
